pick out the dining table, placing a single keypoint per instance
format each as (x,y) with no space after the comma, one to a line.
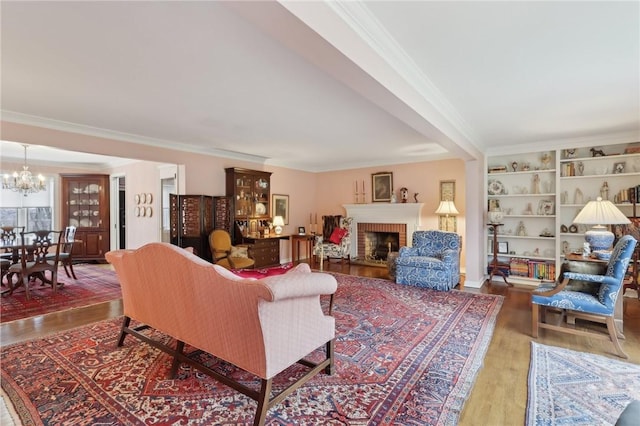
(16,247)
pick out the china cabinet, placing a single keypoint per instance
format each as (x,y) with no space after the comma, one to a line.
(540,193)
(250,192)
(85,205)
(191,222)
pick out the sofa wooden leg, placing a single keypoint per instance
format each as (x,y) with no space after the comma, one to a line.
(125,324)
(176,360)
(330,369)
(263,403)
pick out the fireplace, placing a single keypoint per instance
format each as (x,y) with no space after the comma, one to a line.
(400,219)
(376,239)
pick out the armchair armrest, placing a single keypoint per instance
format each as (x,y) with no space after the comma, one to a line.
(449,256)
(603,279)
(300,282)
(408,251)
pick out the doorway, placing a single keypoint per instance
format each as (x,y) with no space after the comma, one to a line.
(118,212)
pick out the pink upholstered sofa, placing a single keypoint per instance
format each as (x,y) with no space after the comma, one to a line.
(262,326)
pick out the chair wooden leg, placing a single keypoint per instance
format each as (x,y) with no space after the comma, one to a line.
(263,403)
(613,334)
(535,309)
(73,274)
(25,283)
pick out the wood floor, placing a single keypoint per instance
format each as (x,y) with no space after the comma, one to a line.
(499,396)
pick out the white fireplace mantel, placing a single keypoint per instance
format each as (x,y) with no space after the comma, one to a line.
(407,213)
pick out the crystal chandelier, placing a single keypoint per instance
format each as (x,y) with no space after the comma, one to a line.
(24,182)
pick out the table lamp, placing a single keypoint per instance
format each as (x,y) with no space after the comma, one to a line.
(278,223)
(600,213)
(447,208)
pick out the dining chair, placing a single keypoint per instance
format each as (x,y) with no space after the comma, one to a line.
(66,248)
(9,236)
(34,260)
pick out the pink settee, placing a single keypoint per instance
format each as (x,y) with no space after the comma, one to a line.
(262,326)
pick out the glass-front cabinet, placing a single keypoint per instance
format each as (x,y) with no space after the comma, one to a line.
(85,205)
(250,192)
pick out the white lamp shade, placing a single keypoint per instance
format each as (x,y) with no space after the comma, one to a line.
(447,208)
(600,212)
(278,223)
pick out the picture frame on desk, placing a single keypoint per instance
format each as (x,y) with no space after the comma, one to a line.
(503,247)
(301,230)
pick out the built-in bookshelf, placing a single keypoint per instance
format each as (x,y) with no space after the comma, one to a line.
(539,194)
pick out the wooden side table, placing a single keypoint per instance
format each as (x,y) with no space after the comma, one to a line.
(296,239)
(495,263)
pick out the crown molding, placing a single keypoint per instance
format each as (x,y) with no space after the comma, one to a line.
(31,120)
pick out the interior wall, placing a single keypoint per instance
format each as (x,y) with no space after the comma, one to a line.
(337,188)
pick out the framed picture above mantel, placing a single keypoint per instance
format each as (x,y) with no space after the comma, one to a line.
(382,187)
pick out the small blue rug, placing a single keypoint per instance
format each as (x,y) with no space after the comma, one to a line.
(578,388)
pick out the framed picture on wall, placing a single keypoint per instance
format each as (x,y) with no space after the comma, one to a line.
(280,207)
(382,187)
(447,190)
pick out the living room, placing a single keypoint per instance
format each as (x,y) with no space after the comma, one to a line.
(382,118)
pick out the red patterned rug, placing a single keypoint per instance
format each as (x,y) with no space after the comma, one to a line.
(95,284)
(404,355)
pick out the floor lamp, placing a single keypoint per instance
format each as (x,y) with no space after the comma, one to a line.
(446,208)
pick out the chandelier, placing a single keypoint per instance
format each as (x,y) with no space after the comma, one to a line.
(24,182)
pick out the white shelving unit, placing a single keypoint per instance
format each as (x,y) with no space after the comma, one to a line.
(582,177)
(524,187)
(546,205)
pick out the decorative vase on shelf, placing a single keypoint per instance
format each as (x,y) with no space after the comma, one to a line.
(495,216)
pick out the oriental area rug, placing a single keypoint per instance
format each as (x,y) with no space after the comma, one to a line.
(404,355)
(95,284)
(567,387)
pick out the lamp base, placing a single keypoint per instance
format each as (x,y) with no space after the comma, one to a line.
(599,238)
(278,230)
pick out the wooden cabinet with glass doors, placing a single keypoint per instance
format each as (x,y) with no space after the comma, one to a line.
(250,192)
(85,205)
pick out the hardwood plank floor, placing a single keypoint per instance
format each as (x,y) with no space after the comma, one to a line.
(499,396)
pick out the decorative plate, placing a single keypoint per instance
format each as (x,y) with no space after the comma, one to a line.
(149,211)
(495,187)
(137,211)
(137,198)
(149,198)
(262,183)
(143,198)
(261,208)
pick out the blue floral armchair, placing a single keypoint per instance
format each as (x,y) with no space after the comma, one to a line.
(432,262)
(598,305)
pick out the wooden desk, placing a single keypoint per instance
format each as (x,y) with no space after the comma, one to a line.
(265,250)
(296,239)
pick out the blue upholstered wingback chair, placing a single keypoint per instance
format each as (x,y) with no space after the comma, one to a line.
(432,262)
(594,306)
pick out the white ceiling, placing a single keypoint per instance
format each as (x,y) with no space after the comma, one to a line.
(326,85)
